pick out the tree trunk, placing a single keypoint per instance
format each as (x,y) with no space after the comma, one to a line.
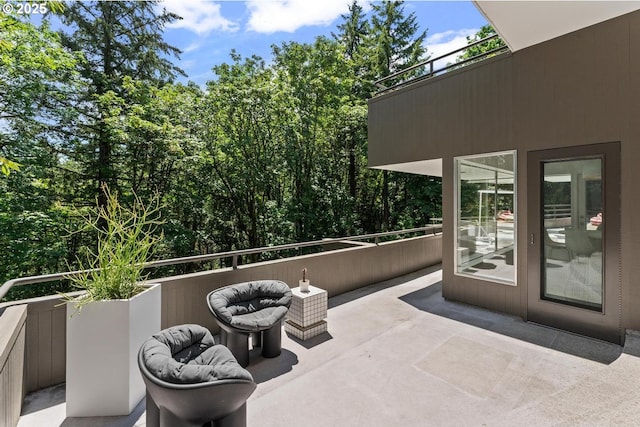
(385,200)
(352,172)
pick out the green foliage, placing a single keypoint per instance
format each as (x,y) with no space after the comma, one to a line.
(124,48)
(34,237)
(485,31)
(7,166)
(271,152)
(36,74)
(37,78)
(126,237)
(55,6)
(396,40)
(119,39)
(353,38)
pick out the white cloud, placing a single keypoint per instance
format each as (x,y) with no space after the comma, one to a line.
(270,16)
(442,43)
(201,17)
(192,47)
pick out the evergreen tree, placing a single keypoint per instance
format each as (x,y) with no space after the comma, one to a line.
(397,45)
(352,35)
(280,144)
(118,39)
(353,31)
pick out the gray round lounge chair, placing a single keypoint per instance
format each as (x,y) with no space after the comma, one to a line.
(190,381)
(251,308)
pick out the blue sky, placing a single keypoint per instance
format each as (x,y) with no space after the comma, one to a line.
(209,30)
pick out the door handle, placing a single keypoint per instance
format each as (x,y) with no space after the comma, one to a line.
(531,239)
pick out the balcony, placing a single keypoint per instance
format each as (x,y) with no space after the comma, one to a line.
(397,353)
(34,331)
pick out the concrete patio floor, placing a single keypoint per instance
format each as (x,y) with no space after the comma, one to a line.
(398,354)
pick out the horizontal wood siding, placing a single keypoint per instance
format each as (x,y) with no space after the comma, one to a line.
(466,111)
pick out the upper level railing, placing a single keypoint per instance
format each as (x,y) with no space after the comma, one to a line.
(431,69)
(557,211)
(234,255)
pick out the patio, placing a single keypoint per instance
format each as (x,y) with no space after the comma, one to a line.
(398,354)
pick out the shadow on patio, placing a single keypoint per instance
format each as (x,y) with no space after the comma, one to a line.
(430,300)
(398,354)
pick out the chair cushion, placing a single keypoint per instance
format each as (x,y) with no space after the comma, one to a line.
(251,306)
(186,354)
(259,320)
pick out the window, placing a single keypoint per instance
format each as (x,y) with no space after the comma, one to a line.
(485,216)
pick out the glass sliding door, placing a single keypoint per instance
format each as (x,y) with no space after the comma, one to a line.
(573,219)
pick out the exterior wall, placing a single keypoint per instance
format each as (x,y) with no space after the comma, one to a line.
(581,88)
(12,333)
(630,202)
(184,297)
(466,111)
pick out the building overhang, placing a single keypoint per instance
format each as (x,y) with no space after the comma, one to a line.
(432,167)
(526,23)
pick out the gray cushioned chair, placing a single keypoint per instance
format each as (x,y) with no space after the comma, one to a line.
(192,382)
(251,308)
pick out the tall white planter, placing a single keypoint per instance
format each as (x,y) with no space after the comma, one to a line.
(102,347)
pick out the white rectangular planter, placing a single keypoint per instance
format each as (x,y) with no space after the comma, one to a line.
(102,348)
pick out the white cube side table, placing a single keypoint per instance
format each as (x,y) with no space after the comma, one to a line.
(307,313)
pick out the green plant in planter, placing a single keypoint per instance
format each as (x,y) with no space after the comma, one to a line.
(125,243)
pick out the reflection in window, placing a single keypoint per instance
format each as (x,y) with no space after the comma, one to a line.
(573,226)
(485,216)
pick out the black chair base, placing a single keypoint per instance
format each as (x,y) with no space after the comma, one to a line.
(238,342)
(272,341)
(161,417)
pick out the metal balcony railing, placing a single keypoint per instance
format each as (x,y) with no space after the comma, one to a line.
(430,69)
(234,255)
(557,211)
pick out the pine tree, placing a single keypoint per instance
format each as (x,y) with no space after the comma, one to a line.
(353,30)
(397,45)
(352,35)
(118,39)
(395,38)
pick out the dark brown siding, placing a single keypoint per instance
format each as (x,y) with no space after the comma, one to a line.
(581,88)
(421,121)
